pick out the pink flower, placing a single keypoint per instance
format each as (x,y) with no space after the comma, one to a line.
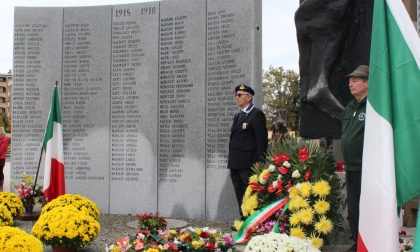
(123,241)
(228,239)
(139,246)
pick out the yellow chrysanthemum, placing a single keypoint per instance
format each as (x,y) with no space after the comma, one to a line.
(183,236)
(198,231)
(66,222)
(197,244)
(324,225)
(248,192)
(12,202)
(297,203)
(253,178)
(15,239)
(6,218)
(293,192)
(306,215)
(305,190)
(294,219)
(249,205)
(297,232)
(321,206)
(316,241)
(321,188)
(152,250)
(237,224)
(80,202)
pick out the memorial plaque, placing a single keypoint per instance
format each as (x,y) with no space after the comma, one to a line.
(37,33)
(182,95)
(134,96)
(233,57)
(85,101)
(147,99)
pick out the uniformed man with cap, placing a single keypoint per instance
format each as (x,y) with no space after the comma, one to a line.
(248,140)
(352,144)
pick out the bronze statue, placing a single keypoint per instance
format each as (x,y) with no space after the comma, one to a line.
(333,37)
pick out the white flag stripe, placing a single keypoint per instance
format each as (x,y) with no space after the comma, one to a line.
(406,27)
(378,185)
(53,150)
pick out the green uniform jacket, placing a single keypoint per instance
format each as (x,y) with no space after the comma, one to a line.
(353,133)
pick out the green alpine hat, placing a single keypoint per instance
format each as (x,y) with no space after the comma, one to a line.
(361,71)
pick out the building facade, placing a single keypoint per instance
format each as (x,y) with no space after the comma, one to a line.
(6,94)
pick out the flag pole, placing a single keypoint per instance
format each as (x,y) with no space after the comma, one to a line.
(39,162)
(37,170)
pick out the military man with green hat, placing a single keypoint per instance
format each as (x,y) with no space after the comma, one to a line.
(352,144)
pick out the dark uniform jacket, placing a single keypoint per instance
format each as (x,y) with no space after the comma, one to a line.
(248,140)
(353,134)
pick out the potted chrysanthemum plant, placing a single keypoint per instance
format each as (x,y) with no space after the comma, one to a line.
(12,202)
(68,222)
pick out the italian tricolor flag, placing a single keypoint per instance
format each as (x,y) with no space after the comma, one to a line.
(53,145)
(391,156)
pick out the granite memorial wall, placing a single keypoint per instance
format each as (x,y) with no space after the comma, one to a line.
(147,99)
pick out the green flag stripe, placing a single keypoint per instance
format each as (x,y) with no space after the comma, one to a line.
(54,116)
(394,86)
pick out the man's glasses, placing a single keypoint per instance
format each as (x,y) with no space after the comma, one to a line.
(239,95)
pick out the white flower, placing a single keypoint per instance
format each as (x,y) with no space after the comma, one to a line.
(279,177)
(286,164)
(296,174)
(275,183)
(271,168)
(278,242)
(298,185)
(262,181)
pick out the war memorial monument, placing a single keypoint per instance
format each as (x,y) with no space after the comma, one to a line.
(147,99)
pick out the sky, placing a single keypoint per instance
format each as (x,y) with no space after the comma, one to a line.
(279,46)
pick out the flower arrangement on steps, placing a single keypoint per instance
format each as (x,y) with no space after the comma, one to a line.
(68,222)
(153,236)
(296,192)
(30,196)
(17,240)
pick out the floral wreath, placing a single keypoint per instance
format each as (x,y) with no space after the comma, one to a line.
(296,192)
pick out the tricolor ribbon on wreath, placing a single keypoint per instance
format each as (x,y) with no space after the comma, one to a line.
(259,217)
